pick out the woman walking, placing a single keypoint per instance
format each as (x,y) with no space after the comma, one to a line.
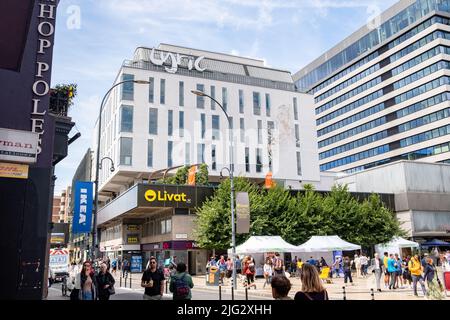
(86,283)
(268,272)
(105,283)
(434,291)
(377,265)
(249,271)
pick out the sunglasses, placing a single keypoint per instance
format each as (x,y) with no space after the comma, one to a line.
(152,262)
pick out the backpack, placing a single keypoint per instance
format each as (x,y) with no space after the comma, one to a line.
(181,288)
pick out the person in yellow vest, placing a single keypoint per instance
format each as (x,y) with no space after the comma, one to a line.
(299,267)
(386,272)
(416,269)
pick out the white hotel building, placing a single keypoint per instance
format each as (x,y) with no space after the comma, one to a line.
(146,128)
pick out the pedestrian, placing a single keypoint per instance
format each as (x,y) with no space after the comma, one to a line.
(211,263)
(114,266)
(364,264)
(86,283)
(280,288)
(294,265)
(173,265)
(337,266)
(268,272)
(125,264)
(312,288)
(434,283)
(423,262)
(436,256)
(386,272)
(229,268)
(222,264)
(105,283)
(51,276)
(406,272)
(392,269)
(347,265)
(445,264)
(153,281)
(249,271)
(377,265)
(299,267)
(415,268)
(278,265)
(357,260)
(399,271)
(181,283)
(311,261)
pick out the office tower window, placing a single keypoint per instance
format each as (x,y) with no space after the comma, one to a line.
(187,152)
(181,123)
(151,90)
(200,153)
(231,123)
(162,98)
(241,101)
(153,121)
(297,136)
(170,122)
(295,109)
(169,153)
(215,127)
(213,157)
(258,160)
(267,104)
(200,99)
(127,87)
(126,151)
(270,131)
(256,104)
(242,129)
(181,94)
(213,95)
(126,118)
(259,131)
(225,98)
(247,159)
(150,153)
(203,125)
(299,164)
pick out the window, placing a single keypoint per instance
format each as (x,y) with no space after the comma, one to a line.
(169,153)
(270,131)
(215,127)
(297,136)
(200,99)
(242,127)
(170,123)
(162,89)
(295,109)
(241,101)
(163,226)
(247,160)
(213,157)
(150,153)
(213,95)
(299,164)
(181,93)
(181,123)
(203,125)
(169,225)
(267,104)
(187,152)
(127,87)
(153,121)
(225,98)
(256,104)
(126,119)
(258,160)
(151,90)
(259,131)
(200,153)
(126,151)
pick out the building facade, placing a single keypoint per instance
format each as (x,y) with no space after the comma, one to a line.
(382,94)
(56,209)
(150,127)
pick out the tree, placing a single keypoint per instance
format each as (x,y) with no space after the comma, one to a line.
(202,175)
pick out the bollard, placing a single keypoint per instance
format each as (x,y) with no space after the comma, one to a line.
(246,293)
(232,293)
(372,294)
(167,286)
(120,280)
(130,280)
(220,292)
(343,291)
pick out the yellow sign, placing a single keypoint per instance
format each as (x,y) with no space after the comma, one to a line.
(151,195)
(132,240)
(12,170)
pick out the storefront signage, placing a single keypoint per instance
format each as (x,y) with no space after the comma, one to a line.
(41,86)
(242,213)
(57,238)
(18,146)
(83,207)
(13,170)
(175,60)
(152,195)
(132,227)
(136,264)
(132,239)
(181,236)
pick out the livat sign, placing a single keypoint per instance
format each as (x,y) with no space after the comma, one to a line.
(175,59)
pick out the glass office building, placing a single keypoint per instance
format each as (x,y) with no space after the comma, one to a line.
(383,94)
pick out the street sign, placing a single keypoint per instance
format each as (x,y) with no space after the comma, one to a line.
(242,213)
(13,170)
(82,215)
(18,145)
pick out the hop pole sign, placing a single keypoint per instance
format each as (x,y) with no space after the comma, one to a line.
(242,213)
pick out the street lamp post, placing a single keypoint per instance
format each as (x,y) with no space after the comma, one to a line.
(230,171)
(98,165)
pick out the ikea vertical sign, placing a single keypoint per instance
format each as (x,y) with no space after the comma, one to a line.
(82,215)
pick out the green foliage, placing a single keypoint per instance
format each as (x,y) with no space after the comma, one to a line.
(202,175)
(67,90)
(181,176)
(296,218)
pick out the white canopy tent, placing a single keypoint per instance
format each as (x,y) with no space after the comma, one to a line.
(395,246)
(264,244)
(326,244)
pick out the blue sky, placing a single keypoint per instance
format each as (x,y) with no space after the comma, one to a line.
(93,37)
